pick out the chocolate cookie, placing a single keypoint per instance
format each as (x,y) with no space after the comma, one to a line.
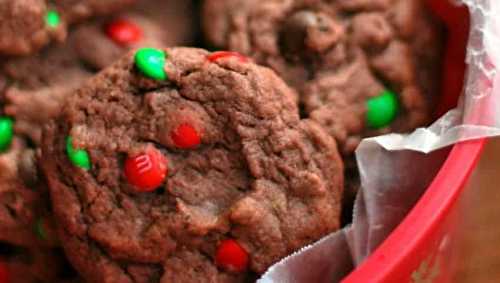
(362,68)
(28,25)
(31,92)
(36,85)
(20,202)
(149,24)
(177,165)
(33,89)
(23,265)
(25,218)
(22,197)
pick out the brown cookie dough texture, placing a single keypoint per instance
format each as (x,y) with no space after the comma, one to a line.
(78,10)
(27,265)
(159,24)
(19,202)
(35,86)
(23,27)
(31,91)
(260,176)
(24,204)
(27,234)
(339,54)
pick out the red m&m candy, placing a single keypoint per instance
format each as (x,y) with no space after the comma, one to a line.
(146,171)
(124,32)
(185,136)
(231,256)
(226,54)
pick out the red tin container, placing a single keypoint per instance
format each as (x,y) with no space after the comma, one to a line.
(418,250)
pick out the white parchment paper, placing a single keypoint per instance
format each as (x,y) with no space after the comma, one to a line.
(396,169)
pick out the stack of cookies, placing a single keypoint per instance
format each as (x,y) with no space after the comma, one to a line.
(124,158)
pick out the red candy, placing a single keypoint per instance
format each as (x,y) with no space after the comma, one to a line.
(186,137)
(4,273)
(226,54)
(146,171)
(124,32)
(231,256)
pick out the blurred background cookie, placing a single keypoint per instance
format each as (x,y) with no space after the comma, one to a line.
(28,25)
(362,68)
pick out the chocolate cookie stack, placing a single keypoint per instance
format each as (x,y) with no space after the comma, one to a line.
(126,159)
(49,50)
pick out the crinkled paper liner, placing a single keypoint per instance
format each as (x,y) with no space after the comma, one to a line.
(388,191)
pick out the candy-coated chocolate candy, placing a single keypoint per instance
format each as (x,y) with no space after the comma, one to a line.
(382,110)
(186,137)
(52,19)
(79,157)
(124,32)
(231,256)
(151,62)
(146,171)
(226,54)
(6,133)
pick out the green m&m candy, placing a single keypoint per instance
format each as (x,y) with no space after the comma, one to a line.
(6,133)
(151,62)
(382,110)
(52,19)
(79,157)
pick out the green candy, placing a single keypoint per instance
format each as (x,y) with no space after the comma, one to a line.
(40,230)
(79,157)
(151,62)
(52,19)
(6,133)
(382,110)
